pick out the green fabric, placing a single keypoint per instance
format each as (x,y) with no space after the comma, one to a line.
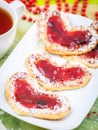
(11,123)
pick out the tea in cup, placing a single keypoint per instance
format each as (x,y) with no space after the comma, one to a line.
(9,16)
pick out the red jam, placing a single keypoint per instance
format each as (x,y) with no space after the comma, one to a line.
(93,53)
(57,33)
(59,74)
(9,1)
(30,99)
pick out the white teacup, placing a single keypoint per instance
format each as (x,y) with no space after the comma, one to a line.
(15,10)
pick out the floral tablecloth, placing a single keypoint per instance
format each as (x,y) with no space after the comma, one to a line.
(7,122)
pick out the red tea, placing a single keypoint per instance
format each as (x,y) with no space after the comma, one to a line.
(6,21)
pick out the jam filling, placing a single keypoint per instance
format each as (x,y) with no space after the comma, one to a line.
(31,99)
(59,74)
(93,53)
(57,33)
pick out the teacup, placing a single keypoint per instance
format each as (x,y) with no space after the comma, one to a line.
(9,16)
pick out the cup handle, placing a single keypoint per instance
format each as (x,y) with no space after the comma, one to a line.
(19,7)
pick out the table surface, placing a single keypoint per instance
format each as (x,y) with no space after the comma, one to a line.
(8,122)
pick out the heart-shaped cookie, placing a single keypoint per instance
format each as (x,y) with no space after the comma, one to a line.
(60,36)
(26,97)
(54,76)
(91,58)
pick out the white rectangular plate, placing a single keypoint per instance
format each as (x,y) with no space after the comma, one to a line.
(81,99)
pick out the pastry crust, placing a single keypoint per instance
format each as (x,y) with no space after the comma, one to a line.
(91,62)
(57,85)
(90,59)
(53,47)
(59,110)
